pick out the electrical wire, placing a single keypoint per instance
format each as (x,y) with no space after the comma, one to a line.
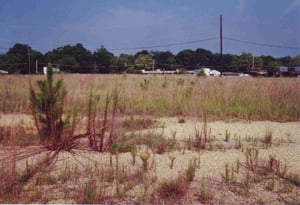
(164,45)
(261,44)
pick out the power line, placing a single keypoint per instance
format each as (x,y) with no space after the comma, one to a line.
(188,42)
(261,44)
(163,45)
(147,47)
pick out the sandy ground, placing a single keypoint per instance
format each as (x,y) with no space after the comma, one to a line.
(286,147)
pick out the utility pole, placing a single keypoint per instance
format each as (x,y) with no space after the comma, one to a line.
(153,65)
(28,60)
(252,61)
(221,45)
(36,66)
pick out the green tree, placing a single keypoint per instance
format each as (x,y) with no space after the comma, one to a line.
(274,66)
(204,57)
(104,59)
(17,58)
(258,61)
(47,110)
(124,62)
(286,61)
(164,59)
(295,61)
(267,60)
(245,61)
(2,62)
(187,58)
(144,61)
(144,52)
(72,58)
(68,63)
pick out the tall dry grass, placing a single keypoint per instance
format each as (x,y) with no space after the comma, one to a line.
(221,97)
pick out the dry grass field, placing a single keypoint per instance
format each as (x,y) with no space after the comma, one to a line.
(170,139)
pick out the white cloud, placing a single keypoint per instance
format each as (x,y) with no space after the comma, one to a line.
(293,6)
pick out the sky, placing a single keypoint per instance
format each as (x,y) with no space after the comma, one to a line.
(260,27)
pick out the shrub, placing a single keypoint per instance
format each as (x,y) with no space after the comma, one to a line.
(201,73)
(173,189)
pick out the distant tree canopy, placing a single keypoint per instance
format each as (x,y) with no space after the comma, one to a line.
(78,59)
(144,61)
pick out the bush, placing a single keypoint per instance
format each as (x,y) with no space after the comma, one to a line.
(173,189)
(201,73)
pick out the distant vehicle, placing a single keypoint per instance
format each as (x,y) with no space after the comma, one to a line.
(159,71)
(235,74)
(55,70)
(244,75)
(283,69)
(208,72)
(3,72)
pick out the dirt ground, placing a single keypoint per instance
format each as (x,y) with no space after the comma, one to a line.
(285,146)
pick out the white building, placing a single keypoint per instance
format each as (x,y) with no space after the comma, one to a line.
(55,70)
(3,72)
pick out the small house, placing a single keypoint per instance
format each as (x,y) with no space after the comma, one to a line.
(55,70)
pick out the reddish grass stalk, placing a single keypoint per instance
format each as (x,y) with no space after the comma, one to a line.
(104,123)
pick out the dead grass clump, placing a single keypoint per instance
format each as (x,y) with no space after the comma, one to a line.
(190,172)
(200,139)
(155,141)
(91,193)
(251,154)
(9,188)
(23,138)
(5,132)
(173,189)
(268,138)
(205,194)
(294,179)
(181,120)
(132,124)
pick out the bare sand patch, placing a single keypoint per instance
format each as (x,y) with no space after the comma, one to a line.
(286,147)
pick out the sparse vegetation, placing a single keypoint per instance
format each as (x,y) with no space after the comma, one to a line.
(251,99)
(125,154)
(190,172)
(204,194)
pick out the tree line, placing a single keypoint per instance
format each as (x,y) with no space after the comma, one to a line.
(22,59)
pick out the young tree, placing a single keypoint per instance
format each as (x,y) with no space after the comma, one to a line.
(47,110)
